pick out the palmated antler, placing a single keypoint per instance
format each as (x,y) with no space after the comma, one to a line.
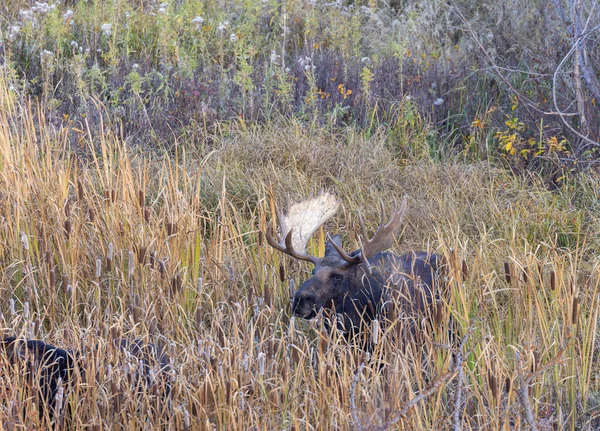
(383,238)
(301,221)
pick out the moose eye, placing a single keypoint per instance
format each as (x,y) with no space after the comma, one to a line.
(336,277)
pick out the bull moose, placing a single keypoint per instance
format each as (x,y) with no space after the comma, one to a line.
(362,285)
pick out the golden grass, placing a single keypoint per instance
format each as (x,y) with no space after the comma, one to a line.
(110,241)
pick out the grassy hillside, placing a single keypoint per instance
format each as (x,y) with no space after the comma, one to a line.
(132,206)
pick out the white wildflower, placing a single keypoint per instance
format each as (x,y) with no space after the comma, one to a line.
(26,14)
(365,60)
(439,101)
(74,44)
(233,37)
(68,14)
(198,21)
(135,66)
(106,29)
(13,32)
(275,58)
(46,56)
(222,27)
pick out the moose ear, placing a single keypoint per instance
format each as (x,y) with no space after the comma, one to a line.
(330,249)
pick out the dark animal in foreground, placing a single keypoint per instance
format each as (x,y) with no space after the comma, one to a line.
(51,367)
(365,284)
(52,371)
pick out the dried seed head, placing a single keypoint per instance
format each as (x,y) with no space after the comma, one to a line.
(67,228)
(25,241)
(260,238)
(465,270)
(281,273)
(261,363)
(507,385)
(199,286)
(129,264)
(142,252)
(171,229)
(552,280)
(507,272)
(98,268)
(375,331)
(91,215)
(141,198)
(575,311)
(493,384)
(147,215)
(67,208)
(11,305)
(26,310)
(80,191)
(52,278)
(526,274)
(37,326)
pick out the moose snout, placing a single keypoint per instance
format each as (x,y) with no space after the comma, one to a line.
(304,305)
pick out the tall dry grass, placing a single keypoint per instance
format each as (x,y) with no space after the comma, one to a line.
(109,241)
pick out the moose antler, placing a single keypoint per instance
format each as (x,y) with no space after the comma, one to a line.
(383,238)
(301,221)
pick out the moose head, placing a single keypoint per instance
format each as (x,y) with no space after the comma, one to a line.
(356,286)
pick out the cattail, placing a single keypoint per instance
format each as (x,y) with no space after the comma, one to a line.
(199,286)
(493,384)
(147,215)
(152,259)
(370,307)
(142,254)
(59,394)
(465,270)
(552,280)
(161,267)
(198,317)
(37,326)
(67,208)
(260,238)
(261,363)
(507,383)
(98,268)
(375,331)
(113,195)
(80,191)
(281,273)
(141,198)
(69,291)
(438,314)
(526,274)
(12,307)
(292,287)
(575,311)
(67,228)
(171,229)
(267,296)
(129,264)
(186,417)
(91,215)
(507,272)
(26,310)
(110,254)
(25,241)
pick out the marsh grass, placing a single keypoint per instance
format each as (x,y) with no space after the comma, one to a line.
(109,241)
